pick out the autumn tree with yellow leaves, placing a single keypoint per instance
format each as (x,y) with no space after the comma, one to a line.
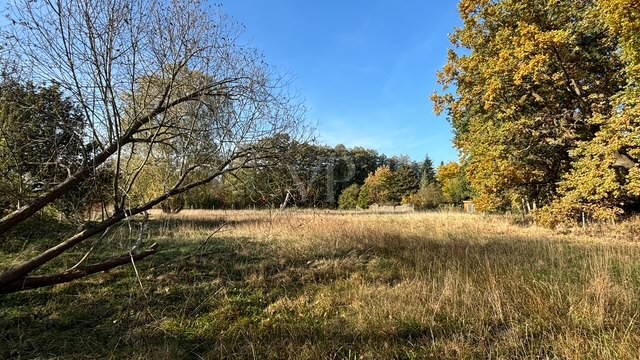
(542,96)
(605,179)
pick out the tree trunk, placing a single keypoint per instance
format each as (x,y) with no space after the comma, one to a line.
(33,282)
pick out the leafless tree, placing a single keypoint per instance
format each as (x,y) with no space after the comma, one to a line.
(158,81)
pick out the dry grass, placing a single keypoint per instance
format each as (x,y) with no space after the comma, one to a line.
(341,285)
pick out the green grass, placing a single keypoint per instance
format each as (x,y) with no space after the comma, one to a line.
(340,286)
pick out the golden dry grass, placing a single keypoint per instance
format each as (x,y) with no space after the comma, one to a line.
(327,284)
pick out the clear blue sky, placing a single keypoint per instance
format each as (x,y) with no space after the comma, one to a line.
(365,68)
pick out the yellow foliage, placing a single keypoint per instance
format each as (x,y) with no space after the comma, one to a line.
(538,109)
(379,185)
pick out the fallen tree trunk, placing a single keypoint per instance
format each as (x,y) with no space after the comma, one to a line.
(38,281)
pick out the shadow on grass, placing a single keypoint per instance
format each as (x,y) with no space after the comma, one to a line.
(212,302)
(168,222)
(218,302)
(110,315)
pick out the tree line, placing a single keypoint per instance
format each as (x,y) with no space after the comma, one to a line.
(308,175)
(42,144)
(544,100)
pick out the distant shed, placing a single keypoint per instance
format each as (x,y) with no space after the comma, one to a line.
(469,208)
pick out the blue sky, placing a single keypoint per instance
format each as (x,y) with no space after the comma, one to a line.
(365,68)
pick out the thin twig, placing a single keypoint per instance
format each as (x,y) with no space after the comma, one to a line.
(138,274)
(91,250)
(206,241)
(200,247)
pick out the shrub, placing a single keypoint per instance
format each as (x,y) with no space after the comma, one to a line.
(429,197)
(349,197)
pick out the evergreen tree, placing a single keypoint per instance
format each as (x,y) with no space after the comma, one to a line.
(406,181)
(427,172)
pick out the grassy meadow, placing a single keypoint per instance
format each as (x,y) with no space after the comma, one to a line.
(332,285)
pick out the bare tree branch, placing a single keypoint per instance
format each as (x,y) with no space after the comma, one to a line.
(33,282)
(162,86)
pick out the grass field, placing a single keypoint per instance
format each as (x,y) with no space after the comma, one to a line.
(330,285)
